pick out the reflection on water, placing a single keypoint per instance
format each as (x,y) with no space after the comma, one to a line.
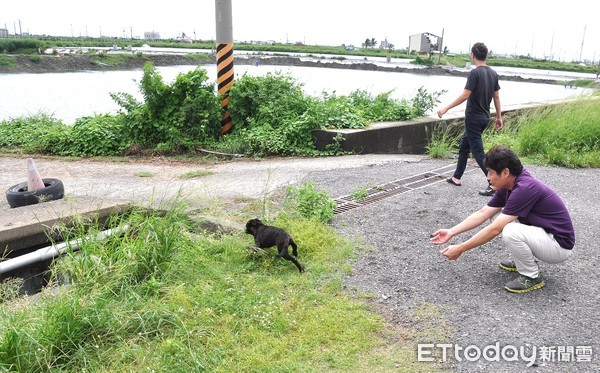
(68,96)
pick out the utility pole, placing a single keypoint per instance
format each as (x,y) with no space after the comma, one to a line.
(552,47)
(532,42)
(224,59)
(440,48)
(582,40)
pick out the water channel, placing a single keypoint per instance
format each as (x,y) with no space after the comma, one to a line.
(68,96)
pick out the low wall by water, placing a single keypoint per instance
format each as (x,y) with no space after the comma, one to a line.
(408,137)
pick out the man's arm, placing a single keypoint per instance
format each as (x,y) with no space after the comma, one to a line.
(474,220)
(452,252)
(499,122)
(459,100)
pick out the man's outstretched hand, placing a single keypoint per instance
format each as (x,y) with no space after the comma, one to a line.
(441,236)
(452,252)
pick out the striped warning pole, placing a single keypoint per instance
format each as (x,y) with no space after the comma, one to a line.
(224,59)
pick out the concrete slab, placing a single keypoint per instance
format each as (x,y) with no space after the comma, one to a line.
(33,225)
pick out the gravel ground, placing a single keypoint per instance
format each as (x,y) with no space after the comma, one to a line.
(405,273)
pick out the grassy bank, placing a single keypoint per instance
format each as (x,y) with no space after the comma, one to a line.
(566,134)
(170,297)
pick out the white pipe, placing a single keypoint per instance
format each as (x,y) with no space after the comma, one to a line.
(50,252)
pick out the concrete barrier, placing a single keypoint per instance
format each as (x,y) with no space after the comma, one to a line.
(408,137)
(34,225)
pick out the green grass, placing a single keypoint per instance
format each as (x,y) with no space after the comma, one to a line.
(144,174)
(443,141)
(166,297)
(7,61)
(195,174)
(566,134)
(360,193)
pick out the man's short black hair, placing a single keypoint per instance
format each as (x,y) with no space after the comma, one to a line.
(480,51)
(500,157)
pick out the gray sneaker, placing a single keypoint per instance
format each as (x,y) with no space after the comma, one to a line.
(523,284)
(487,192)
(508,265)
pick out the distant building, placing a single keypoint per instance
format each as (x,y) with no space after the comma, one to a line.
(384,44)
(3,33)
(424,43)
(151,35)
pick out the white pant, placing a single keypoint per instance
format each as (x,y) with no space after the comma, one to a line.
(528,243)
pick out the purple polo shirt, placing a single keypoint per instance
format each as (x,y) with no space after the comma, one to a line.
(538,205)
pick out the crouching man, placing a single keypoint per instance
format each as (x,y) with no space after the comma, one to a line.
(532,218)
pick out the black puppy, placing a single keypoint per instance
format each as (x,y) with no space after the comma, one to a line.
(267,236)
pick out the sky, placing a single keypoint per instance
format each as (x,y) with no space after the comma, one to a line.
(565,31)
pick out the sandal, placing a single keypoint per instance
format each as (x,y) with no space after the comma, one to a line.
(450,181)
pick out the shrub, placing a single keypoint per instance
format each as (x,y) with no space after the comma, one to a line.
(40,133)
(100,135)
(35,58)
(7,61)
(271,114)
(173,116)
(270,99)
(310,202)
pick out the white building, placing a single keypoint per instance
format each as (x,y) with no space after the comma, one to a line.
(424,43)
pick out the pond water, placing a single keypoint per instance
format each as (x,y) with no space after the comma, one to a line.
(68,96)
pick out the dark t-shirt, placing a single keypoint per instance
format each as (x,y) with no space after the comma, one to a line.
(538,205)
(482,82)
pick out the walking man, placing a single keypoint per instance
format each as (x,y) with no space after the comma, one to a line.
(482,86)
(532,218)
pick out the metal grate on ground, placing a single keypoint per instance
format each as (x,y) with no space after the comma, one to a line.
(378,193)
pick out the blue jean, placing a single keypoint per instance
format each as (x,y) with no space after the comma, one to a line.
(471,142)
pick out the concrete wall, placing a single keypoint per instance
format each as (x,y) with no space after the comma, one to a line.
(409,137)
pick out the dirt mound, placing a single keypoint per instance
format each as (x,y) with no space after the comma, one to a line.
(73,63)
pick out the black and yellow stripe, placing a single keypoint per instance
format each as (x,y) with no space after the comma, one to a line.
(224,81)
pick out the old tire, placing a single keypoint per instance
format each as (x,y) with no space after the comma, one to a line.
(18,195)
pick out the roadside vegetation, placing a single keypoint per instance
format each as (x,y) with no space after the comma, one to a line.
(164,295)
(566,134)
(271,115)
